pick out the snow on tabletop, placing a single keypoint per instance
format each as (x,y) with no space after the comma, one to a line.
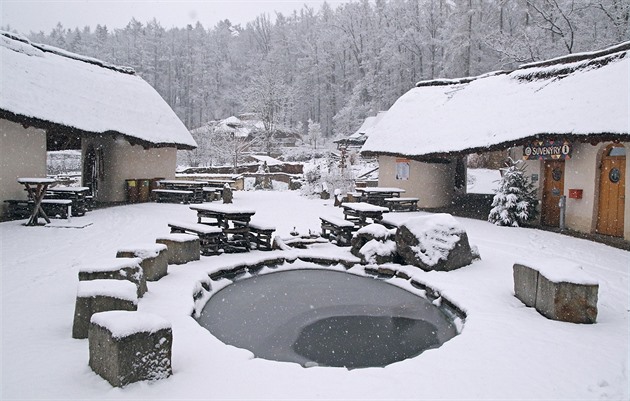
(437,235)
(223,208)
(559,270)
(364,207)
(35,180)
(144,251)
(375,230)
(125,323)
(381,189)
(109,264)
(178,237)
(121,289)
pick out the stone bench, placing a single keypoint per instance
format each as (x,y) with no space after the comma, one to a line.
(117,269)
(558,289)
(338,229)
(181,248)
(154,259)
(127,347)
(99,296)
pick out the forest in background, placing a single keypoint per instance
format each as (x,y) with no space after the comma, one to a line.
(338,66)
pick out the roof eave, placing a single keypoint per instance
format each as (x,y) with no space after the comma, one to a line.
(581,138)
(51,127)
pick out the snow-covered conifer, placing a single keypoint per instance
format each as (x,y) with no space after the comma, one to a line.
(515,201)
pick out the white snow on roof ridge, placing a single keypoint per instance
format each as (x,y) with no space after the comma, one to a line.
(64,53)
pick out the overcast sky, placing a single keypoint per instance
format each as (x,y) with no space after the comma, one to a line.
(43,15)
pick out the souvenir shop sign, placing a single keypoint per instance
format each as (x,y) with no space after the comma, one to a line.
(547,150)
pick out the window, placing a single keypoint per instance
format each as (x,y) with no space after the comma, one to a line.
(402,169)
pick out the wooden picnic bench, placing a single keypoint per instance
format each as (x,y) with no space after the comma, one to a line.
(397,204)
(20,209)
(339,230)
(195,187)
(359,212)
(377,195)
(233,220)
(80,197)
(210,238)
(260,235)
(173,195)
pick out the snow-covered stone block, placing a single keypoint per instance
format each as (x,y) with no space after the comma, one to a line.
(127,347)
(373,244)
(181,248)
(154,259)
(560,290)
(117,269)
(435,242)
(99,296)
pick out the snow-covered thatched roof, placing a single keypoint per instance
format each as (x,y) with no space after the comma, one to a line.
(583,97)
(364,130)
(59,91)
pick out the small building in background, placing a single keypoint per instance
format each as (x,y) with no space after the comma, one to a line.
(566,117)
(356,140)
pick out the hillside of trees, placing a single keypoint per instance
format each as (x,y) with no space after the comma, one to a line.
(336,66)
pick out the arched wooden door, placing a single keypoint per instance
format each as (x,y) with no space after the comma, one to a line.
(553,189)
(612,191)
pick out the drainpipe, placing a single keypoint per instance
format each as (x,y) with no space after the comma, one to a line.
(563,207)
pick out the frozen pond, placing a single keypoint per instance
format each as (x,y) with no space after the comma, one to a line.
(327,318)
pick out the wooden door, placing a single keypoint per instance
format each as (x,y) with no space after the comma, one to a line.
(612,190)
(553,189)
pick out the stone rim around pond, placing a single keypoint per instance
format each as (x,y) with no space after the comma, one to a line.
(325,316)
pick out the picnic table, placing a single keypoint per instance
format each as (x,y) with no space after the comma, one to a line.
(359,212)
(233,220)
(175,189)
(79,196)
(377,195)
(36,188)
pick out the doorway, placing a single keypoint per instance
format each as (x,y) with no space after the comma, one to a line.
(612,191)
(92,169)
(553,189)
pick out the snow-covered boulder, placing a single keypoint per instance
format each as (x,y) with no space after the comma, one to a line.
(154,259)
(373,244)
(436,242)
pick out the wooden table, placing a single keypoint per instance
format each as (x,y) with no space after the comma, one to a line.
(233,220)
(36,188)
(359,212)
(377,195)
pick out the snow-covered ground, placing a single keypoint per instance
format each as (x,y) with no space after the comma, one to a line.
(482,181)
(505,351)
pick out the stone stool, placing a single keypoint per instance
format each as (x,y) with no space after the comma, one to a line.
(182,248)
(154,259)
(558,289)
(126,347)
(99,296)
(117,269)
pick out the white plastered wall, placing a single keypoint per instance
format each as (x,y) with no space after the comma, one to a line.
(122,161)
(22,154)
(433,183)
(582,172)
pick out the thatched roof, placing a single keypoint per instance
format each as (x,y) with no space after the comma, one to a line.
(73,95)
(581,97)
